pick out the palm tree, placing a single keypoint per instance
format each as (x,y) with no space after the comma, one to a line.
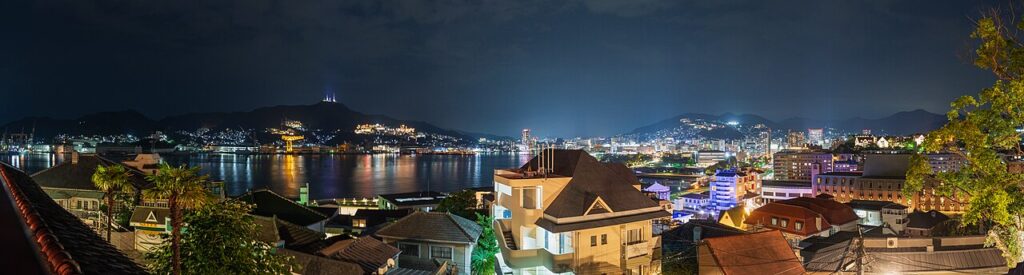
(111,180)
(183,188)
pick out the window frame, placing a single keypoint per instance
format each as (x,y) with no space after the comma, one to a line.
(451,252)
(401,244)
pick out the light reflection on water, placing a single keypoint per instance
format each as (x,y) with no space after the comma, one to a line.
(329,176)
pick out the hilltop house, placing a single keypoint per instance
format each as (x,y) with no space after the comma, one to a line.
(565,211)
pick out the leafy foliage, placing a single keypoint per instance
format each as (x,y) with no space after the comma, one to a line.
(183,188)
(221,239)
(112,180)
(459,203)
(483,259)
(979,129)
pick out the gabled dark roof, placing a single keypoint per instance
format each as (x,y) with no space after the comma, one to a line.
(680,239)
(68,175)
(309,264)
(592,179)
(827,254)
(925,220)
(270,204)
(433,226)
(564,164)
(58,237)
(367,252)
(141,214)
(272,230)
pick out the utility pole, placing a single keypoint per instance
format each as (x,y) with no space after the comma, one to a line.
(860,251)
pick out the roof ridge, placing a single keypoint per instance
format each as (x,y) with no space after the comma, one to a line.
(293,202)
(56,255)
(459,225)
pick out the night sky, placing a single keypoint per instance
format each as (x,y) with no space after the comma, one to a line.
(564,68)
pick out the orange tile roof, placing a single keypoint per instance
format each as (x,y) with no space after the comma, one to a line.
(764,252)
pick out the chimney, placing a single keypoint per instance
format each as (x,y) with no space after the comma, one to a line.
(74,157)
(696,234)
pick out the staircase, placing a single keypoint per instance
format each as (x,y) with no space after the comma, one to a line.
(509,241)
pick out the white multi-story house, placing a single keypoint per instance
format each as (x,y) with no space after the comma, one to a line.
(564,212)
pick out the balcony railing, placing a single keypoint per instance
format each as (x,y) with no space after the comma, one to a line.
(637,249)
(525,258)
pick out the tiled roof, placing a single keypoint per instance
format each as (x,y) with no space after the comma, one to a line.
(592,179)
(368,252)
(270,204)
(925,220)
(272,230)
(764,252)
(680,239)
(78,175)
(63,241)
(827,254)
(833,211)
(956,261)
(443,227)
(309,264)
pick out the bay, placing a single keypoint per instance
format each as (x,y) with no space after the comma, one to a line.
(328,176)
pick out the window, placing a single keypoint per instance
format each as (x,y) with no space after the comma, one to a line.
(441,252)
(785,222)
(531,197)
(775,221)
(79,204)
(409,249)
(593,240)
(359,223)
(798,225)
(604,238)
(634,236)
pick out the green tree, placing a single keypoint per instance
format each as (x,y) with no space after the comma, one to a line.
(221,239)
(183,188)
(979,129)
(483,259)
(459,203)
(112,180)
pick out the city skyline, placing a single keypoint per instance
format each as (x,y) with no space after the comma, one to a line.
(557,70)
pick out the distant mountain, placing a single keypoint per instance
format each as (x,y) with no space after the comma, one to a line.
(902,123)
(323,115)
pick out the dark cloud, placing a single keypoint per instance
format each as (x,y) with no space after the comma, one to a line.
(562,67)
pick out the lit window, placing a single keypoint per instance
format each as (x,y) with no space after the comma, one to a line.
(798,225)
(775,221)
(785,223)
